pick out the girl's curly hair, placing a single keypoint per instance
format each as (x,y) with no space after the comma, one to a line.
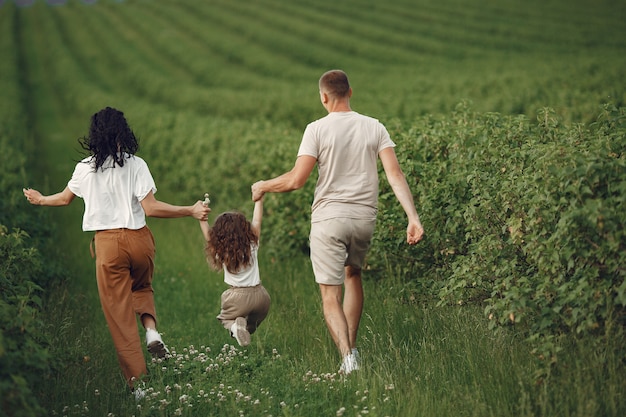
(109,135)
(230,241)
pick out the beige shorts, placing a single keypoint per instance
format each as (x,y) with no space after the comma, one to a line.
(337,243)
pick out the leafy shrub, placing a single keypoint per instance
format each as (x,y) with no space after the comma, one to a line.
(524,219)
(23,352)
(23,356)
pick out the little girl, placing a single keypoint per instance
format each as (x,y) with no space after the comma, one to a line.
(232,244)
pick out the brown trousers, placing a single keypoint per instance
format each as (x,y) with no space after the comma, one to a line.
(124,269)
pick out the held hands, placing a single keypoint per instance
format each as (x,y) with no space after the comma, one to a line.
(205,208)
(204,225)
(257,194)
(200,211)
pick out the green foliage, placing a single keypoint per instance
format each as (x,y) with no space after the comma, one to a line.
(522,218)
(23,356)
(228,60)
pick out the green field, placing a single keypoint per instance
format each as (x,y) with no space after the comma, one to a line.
(219,92)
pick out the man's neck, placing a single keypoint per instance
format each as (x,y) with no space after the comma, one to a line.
(339,107)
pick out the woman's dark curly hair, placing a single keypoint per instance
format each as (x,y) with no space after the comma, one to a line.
(229,243)
(109,135)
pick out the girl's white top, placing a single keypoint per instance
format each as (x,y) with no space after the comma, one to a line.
(113,194)
(247,277)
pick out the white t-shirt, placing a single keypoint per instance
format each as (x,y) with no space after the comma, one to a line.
(346,146)
(112,195)
(247,277)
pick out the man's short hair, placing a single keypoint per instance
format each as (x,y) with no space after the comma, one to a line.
(335,83)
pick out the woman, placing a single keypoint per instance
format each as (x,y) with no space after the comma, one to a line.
(118,191)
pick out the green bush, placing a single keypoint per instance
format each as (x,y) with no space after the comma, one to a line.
(524,219)
(23,355)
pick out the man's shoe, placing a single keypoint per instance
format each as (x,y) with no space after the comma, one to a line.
(239,331)
(357,357)
(349,364)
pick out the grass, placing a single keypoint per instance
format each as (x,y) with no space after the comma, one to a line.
(418,359)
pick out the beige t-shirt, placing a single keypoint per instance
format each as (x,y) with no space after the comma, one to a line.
(346,146)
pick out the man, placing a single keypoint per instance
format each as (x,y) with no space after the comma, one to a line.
(345,145)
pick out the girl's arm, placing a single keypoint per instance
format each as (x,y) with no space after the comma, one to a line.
(257,217)
(205,228)
(204,224)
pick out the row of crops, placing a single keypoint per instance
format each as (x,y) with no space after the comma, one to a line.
(258,59)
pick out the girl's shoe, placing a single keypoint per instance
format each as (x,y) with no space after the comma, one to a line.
(239,330)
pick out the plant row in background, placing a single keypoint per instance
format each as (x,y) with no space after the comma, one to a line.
(227,60)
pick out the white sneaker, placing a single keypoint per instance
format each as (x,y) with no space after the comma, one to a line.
(156,347)
(349,365)
(239,330)
(355,352)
